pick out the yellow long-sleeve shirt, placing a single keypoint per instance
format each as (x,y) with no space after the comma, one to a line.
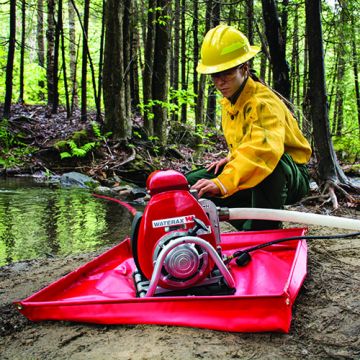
(258,129)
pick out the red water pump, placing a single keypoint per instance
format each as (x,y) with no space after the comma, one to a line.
(176,241)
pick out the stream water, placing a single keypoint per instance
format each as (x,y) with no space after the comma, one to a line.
(37,221)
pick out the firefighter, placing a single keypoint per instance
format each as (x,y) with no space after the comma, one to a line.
(266,163)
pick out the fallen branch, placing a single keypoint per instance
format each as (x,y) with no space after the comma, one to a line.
(126,161)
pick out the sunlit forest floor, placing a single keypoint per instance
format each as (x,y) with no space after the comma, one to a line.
(326,318)
(49,136)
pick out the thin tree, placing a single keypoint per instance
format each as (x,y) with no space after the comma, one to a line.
(135,60)
(101,57)
(211,99)
(58,24)
(40,42)
(67,97)
(148,66)
(284,23)
(22,51)
(184,84)
(200,101)
(355,67)
(250,24)
(161,69)
(295,68)
(176,56)
(330,174)
(50,51)
(10,60)
(277,47)
(84,61)
(73,51)
(40,33)
(196,45)
(127,31)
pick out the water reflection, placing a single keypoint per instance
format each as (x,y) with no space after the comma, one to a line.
(36,221)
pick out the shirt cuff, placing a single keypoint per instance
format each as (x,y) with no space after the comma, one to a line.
(221,186)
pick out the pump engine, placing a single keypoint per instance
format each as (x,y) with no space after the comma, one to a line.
(176,240)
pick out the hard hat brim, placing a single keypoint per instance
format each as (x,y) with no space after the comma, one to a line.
(207,70)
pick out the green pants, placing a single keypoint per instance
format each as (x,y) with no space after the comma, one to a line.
(287,184)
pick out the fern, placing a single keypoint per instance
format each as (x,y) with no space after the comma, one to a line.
(78,151)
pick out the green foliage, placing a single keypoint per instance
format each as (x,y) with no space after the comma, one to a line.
(177,98)
(205,135)
(155,141)
(97,132)
(162,19)
(78,151)
(183,97)
(78,145)
(12,150)
(347,148)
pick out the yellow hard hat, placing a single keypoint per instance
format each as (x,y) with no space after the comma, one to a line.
(224,47)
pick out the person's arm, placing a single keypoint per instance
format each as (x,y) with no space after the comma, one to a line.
(217,164)
(259,150)
(205,186)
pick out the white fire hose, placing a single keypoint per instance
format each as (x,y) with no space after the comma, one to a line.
(292,216)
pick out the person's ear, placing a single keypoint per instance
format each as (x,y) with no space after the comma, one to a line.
(245,69)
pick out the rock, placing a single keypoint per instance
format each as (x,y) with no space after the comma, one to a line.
(138,193)
(77,179)
(103,190)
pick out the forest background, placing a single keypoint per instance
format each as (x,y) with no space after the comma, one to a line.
(116,74)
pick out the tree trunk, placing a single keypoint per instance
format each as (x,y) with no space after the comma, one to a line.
(56,58)
(101,59)
(264,52)
(148,66)
(355,68)
(276,44)
(329,169)
(339,102)
(196,45)
(250,23)
(295,70)
(113,72)
(84,61)
(284,23)
(184,84)
(40,42)
(134,55)
(22,51)
(211,100)
(63,58)
(127,31)
(161,69)
(40,33)
(200,101)
(10,60)
(73,47)
(50,51)
(176,56)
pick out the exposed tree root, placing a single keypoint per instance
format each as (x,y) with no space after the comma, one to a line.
(329,192)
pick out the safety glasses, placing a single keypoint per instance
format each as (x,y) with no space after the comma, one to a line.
(226,75)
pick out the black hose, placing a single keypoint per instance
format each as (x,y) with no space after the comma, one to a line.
(243,257)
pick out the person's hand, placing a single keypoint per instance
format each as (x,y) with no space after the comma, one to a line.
(217,164)
(208,187)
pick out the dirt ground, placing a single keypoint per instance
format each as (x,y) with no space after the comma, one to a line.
(326,317)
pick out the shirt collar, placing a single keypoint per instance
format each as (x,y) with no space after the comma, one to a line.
(245,92)
(233,98)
